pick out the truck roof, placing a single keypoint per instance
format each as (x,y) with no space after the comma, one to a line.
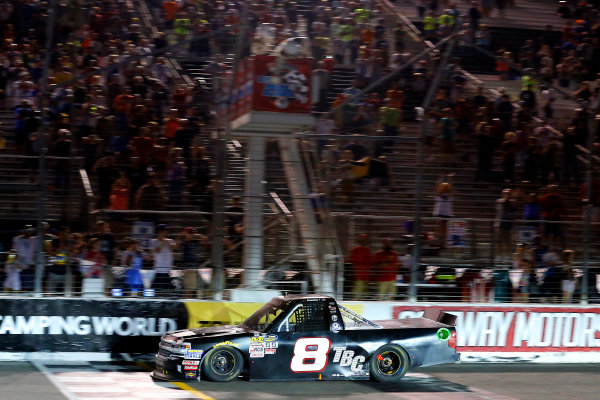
(292,297)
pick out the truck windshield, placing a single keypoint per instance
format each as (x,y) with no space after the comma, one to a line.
(265,315)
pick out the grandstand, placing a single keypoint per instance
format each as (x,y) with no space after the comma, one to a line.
(202,52)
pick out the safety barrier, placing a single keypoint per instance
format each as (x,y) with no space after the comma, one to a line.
(103,329)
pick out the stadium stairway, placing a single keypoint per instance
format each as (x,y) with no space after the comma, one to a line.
(527,14)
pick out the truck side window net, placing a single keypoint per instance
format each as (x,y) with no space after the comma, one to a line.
(307,317)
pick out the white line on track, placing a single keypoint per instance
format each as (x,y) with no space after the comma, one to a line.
(58,384)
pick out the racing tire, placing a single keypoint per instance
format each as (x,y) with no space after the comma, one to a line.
(222,364)
(389,363)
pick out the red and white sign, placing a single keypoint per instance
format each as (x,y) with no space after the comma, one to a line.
(242,88)
(519,329)
(282,86)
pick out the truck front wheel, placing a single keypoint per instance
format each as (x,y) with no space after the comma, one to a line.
(222,364)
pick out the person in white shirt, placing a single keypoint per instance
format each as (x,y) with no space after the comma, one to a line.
(162,248)
(25,246)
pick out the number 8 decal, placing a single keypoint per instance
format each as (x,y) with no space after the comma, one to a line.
(310,354)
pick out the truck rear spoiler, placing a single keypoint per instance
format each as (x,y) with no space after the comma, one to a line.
(440,316)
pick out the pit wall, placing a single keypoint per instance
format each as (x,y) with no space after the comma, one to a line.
(102,329)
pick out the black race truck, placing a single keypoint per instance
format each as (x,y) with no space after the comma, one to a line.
(307,337)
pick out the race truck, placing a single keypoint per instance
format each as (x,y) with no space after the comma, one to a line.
(307,337)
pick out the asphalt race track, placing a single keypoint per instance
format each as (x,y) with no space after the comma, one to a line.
(131,381)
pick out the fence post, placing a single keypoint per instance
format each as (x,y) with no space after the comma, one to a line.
(473,237)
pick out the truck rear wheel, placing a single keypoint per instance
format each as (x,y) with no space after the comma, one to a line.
(389,363)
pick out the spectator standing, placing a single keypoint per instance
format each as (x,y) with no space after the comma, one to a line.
(96,259)
(525,261)
(553,207)
(361,258)
(553,276)
(505,214)
(190,244)
(501,6)
(529,98)
(63,148)
(106,239)
(133,259)
(150,196)
(474,16)
(509,153)
(176,180)
(430,26)
(107,173)
(57,267)
(119,193)
(447,136)
(549,156)
(547,100)
(570,168)
(486,8)
(162,248)
(485,154)
(443,209)
(385,268)
(531,210)
(25,246)
(568,282)
(505,111)
(12,270)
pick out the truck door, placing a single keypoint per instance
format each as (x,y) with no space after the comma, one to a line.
(300,345)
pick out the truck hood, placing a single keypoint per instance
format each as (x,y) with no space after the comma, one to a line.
(213,331)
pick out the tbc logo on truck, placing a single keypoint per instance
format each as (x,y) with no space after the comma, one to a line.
(346,358)
(84,325)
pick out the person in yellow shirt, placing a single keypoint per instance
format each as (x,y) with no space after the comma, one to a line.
(430,23)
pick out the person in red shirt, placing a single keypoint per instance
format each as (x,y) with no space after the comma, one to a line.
(171,123)
(96,260)
(142,146)
(361,258)
(553,208)
(385,268)
(170,8)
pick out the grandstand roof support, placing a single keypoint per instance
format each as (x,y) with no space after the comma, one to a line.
(41,259)
(431,92)
(253,215)
(218,222)
(588,205)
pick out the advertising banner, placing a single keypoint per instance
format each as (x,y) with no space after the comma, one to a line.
(80,325)
(282,85)
(519,329)
(242,88)
(485,332)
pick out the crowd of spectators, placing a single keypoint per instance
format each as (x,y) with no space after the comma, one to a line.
(144,136)
(122,263)
(533,273)
(131,122)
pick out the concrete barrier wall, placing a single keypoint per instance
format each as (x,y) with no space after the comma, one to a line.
(38,328)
